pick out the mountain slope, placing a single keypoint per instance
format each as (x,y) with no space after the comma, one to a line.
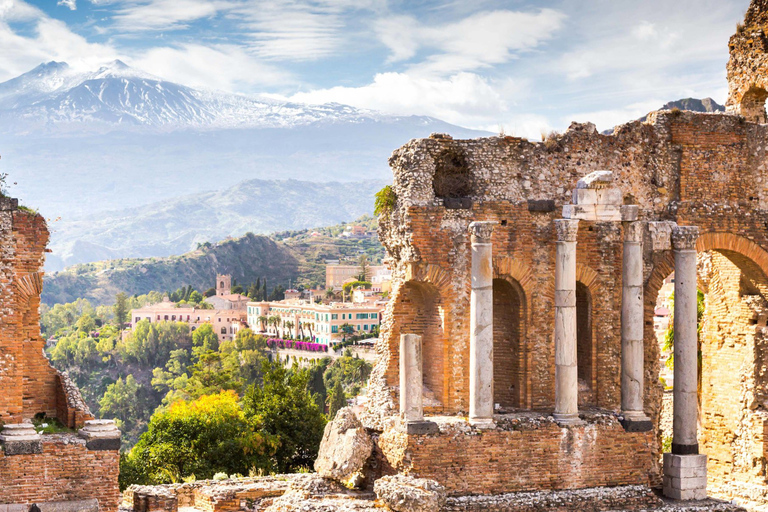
(296,258)
(693,104)
(177,226)
(78,143)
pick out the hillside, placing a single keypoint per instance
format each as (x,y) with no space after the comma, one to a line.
(295,257)
(179,225)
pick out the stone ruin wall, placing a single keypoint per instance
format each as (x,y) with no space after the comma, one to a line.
(707,170)
(30,384)
(64,468)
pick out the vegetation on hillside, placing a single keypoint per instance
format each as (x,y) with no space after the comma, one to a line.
(291,257)
(158,379)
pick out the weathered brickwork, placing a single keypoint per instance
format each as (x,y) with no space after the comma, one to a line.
(65,471)
(523,454)
(705,170)
(30,384)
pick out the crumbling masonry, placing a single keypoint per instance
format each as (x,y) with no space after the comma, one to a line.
(530,272)
(68,471)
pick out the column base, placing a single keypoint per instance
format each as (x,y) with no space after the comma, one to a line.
(568,420)
(685,477)
(636,421)
(416,428)
(482,423)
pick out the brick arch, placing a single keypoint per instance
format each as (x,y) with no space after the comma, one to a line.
(588,287)
(28,285)
(715,241)
(419,307)
(506,267)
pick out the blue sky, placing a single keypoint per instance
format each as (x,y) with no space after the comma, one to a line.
(521,66)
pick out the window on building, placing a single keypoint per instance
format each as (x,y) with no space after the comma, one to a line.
(173,318)
(166,317)
(223,330)
(138,319)
(158,317)
(334,329)
(335,316)
(365,327)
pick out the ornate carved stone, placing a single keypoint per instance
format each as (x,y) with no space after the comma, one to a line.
(684,237)
(481,231)
(633,232)
(567,229)
(596,180)
(660,233)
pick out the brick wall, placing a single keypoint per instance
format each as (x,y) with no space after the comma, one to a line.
(30,384)
(529,454)
(707,170)
(65,471)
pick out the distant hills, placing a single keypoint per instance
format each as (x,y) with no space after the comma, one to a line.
(178,225)
(692,104)
(297,258)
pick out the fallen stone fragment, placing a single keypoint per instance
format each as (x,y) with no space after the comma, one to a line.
(344,450)
(408,494)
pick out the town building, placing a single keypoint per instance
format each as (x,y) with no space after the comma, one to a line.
(322,322)
(225,322)
(224,298)
(337,276)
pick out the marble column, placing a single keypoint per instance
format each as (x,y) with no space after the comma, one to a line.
(411,380)
(481,326)
(685,470)
(686,414)
(566,369)
(632,353)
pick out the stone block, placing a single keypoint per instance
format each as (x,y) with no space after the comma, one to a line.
(678,472)
(584,196)
(685,483)
(420,428)
(631,425)
(100,435)
(630,212)
(408,494)
(344,450)
(541,205)
(685,495)
(685,461)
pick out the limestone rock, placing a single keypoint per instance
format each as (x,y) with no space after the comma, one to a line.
(344,449)
(408,494)
(299,501)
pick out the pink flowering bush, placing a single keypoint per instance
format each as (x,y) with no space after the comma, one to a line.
(297,345)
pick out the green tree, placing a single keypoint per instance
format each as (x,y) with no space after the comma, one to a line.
(363,263)
(285,409)
(119,402)
(121,310)
(336,400)
(205,338)
(200,438)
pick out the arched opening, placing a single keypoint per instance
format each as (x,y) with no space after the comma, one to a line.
(451,182)
(753,105)
(733,355)
(508,353)
(585,346)
(419,310)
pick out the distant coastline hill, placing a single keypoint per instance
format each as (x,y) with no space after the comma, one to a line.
(296,257)
(176,226)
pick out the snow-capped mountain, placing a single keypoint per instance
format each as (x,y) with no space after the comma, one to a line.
(83,144)
(116,94)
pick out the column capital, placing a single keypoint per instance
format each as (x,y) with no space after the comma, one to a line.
(684,237)
(567,229)
(633,231)
(481,231)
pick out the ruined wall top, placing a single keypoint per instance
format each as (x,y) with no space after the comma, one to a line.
(748,64)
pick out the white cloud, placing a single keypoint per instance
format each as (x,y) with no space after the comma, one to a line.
(464,98)
(225,67)
(164,14)
(480,40)
(51,40)
(71,4)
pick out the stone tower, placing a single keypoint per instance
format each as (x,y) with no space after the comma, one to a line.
(748,65)
(223,284)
